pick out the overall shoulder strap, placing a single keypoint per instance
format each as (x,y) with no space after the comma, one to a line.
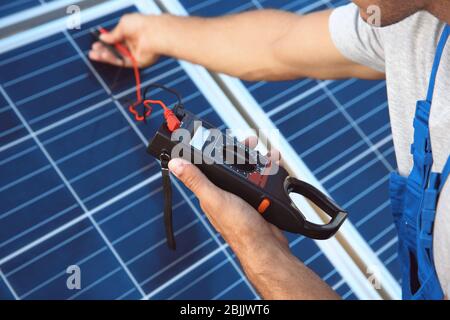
(445,174)
(437,60)
(439,51)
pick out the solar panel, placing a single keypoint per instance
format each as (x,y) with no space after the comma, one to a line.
(78,189)
(340,129)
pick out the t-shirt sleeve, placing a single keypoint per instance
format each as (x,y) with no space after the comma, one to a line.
(356,39)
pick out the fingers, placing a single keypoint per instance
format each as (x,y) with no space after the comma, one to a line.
(118,35)
(195,180)
(102,54)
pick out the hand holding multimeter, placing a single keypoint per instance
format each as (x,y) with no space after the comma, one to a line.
(248,179)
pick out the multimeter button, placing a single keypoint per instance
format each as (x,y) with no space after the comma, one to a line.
(265,203)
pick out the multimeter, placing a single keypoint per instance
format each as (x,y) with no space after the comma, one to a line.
(244,172)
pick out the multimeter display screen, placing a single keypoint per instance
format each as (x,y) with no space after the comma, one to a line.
(200,137)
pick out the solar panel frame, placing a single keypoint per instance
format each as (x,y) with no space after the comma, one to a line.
(352,239)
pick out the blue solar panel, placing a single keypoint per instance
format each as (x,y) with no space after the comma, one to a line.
(77,187)
(339,128)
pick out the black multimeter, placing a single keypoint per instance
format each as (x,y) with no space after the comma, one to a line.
(246,173)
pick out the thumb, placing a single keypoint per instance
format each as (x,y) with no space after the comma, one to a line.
(193,178)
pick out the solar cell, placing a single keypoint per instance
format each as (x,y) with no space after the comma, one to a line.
(78,189)
(340,129)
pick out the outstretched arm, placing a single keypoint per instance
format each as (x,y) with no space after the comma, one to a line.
(256,45)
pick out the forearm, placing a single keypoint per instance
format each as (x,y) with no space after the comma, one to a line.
(277,274)
(258,45)
(239,45)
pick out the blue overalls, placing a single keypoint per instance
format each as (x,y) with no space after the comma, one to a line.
(414,200)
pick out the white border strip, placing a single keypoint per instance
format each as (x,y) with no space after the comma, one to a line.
(343,262)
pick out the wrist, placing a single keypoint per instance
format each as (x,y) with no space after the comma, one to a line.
(161,33)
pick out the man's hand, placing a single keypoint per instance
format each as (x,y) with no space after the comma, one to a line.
(138,33)
(238,223)
(261,248)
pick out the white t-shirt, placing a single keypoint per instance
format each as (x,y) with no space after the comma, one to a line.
(405,52)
